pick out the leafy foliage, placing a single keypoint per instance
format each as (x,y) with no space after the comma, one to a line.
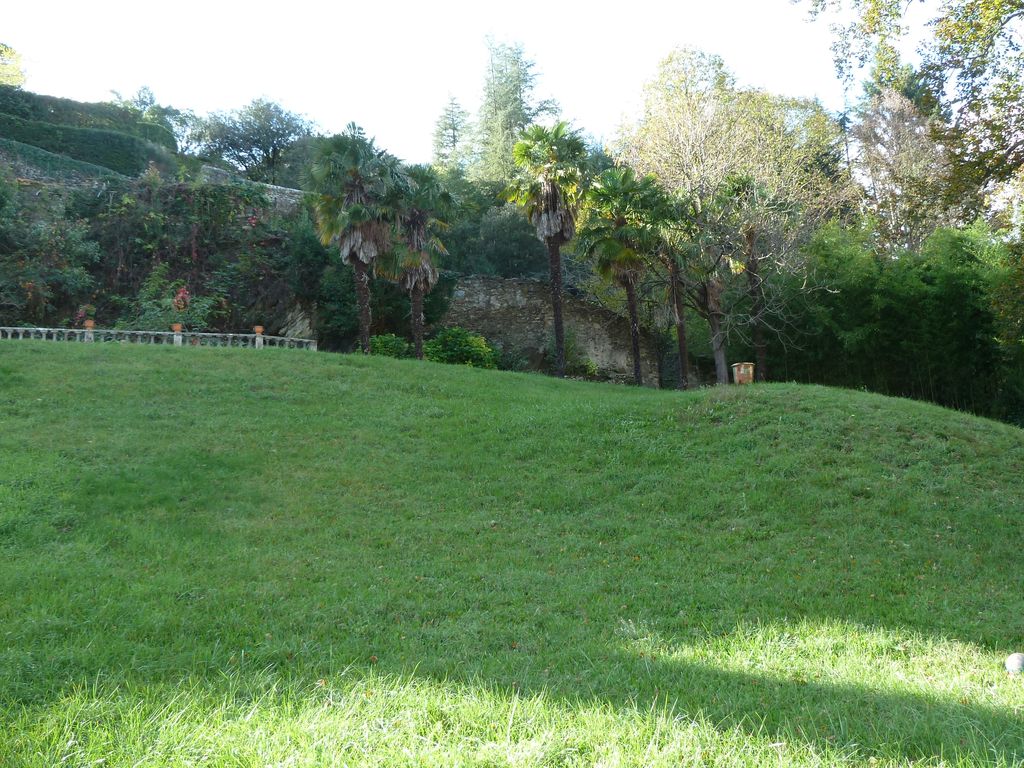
(389,345)
(461,347)
(549,185)
(923,325)
(11,72)
(255,139)
(450,136)
(162,301)
(44,271)
(359,189)
(507,109)
(972,70)
(44,265)
(904,168)
(488,236)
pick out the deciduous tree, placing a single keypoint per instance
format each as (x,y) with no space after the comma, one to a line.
(11,71)
(698,134)
(973,67)
(254,138)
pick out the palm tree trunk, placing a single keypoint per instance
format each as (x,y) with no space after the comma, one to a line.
(634,329)
(555,270)
(363,295)
(416,301)
(679,316)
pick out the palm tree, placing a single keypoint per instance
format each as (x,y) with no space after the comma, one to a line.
(357,186)
(549,188)
(411,263)
(678,233)
(620,228)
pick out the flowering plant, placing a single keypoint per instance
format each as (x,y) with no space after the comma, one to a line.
(163,302)
(85,312)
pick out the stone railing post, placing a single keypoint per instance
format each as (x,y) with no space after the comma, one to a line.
(258,330)
(89,325)
(176,327)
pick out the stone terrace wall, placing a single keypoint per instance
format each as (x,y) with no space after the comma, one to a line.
(516,315)
(283,199)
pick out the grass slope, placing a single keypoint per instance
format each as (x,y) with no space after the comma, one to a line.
(224,557)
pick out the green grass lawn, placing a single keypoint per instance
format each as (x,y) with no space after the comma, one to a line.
(219,557)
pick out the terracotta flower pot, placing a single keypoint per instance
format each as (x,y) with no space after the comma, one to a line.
(89,324)
(176,327)
(258,330)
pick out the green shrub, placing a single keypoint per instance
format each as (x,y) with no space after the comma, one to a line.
(461,347)
(156,133)
(162,301)
(576,363)
(119,152)
(44,269)
(510,359)
(389,345)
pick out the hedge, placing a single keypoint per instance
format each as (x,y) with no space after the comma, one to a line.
(78,114)
(117,151)
(57,166)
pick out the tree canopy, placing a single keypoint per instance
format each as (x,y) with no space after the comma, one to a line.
(255,138)
(972,66)
(11,71)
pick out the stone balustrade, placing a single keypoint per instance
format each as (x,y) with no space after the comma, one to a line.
(179,339)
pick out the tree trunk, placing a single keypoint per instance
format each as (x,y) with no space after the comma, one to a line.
(757,309)
(714,310)
(555,270)
(718,348)
(679,316)
(363,294)
(416,301)
(634,329)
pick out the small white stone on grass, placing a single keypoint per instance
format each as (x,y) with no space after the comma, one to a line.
(1015,663)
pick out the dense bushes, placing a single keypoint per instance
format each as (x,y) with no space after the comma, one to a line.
(390,345)
(162,302)
(119,152)
(44,266)
(459,346)
(241,264)
(922,325)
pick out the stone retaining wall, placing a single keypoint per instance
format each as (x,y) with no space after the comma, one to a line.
(515,314)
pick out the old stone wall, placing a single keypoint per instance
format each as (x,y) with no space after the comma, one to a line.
(283,199)
(515,314)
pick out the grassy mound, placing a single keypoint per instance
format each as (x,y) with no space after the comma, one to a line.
(230,557)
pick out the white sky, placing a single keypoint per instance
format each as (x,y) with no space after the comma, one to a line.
(391,65)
